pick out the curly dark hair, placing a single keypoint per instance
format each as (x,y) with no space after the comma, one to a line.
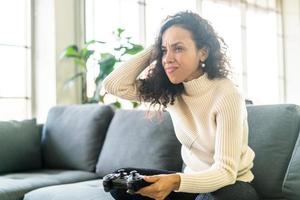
(156,87)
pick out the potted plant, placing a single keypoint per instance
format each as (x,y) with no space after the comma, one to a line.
(106,61)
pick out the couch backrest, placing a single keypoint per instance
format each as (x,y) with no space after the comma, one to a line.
(133,140)
(291,184)
(73,136)
(273,132)
(20,146)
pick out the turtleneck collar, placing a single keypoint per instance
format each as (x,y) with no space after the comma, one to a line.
(197,86)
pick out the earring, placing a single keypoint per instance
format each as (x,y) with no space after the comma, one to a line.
(203,65)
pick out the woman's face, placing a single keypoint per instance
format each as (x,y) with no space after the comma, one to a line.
(181,58)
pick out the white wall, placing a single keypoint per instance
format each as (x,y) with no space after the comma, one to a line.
(291,22)
(55,27)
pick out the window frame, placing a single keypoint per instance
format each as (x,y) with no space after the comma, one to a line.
(27,46)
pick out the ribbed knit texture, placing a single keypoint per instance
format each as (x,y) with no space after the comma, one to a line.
(210,121)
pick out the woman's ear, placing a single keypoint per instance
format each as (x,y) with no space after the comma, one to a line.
(204,52)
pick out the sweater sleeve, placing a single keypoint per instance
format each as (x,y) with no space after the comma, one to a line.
(229,116)
(122,82)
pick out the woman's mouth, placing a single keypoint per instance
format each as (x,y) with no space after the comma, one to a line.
(170,70)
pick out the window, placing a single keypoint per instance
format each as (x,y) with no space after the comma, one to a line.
(132,15)
(263,55)
(230,32)
(104,18)
(100,22)
(15,51)
(156,11)
(251,29)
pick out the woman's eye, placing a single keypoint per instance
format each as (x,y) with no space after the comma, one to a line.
(178,49)
(164,51)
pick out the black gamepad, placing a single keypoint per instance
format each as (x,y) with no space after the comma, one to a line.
(121,180)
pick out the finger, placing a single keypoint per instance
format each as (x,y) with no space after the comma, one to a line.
(146,194)
(146,190)
(151,179)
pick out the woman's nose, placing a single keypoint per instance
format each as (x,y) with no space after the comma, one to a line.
(169,57)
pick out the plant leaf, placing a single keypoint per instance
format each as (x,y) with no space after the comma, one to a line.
(135,104)
(135,49)
(81,64)
(85,54)
(117,104)
(106,64)
(119,48)
(70,52)
(120,31)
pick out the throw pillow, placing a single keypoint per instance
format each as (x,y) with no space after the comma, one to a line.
(20,146)
(134,141)
(73,136)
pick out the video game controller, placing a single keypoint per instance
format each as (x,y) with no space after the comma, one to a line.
(121,180)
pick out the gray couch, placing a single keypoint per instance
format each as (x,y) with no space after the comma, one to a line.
(67,156)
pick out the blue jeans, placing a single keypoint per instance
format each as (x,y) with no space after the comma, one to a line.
(238,191)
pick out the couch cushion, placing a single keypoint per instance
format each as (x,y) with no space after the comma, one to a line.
(273,132)
(20,146)
(134,141)
(73,136)
(87,190)
(291,184)
(14,186)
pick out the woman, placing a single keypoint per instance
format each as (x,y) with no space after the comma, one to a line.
(189,79)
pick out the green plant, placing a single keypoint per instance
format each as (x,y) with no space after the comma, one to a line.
(106,61)
(80,57)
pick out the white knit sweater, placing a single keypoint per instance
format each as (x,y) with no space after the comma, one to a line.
(210,121)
